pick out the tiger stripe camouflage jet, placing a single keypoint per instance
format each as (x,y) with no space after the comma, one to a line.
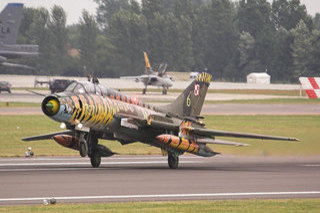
(91,112)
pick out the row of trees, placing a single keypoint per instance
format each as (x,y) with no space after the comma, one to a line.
(228,39)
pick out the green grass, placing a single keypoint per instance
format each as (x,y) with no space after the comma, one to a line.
(268,101)
(19,104)
(30,88)
(237,206)
(306,128)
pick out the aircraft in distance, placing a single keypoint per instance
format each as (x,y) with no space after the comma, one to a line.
(91,112)
(153,78)
(10,19)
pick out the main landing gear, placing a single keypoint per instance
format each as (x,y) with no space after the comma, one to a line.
(144,90)
(173,161)
(164,91)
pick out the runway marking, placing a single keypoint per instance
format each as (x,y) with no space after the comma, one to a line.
(235,194)
(311,165)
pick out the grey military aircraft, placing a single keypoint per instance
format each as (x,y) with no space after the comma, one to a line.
(91,112)
(10,19)
(153,78)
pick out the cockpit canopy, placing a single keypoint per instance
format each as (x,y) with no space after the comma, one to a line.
(80,87)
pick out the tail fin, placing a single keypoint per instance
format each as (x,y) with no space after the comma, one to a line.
(10,19)
(190,101)
(148,66)
(162,69)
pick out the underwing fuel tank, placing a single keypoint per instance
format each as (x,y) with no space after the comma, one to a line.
(67,141)
(73,143)
(185,145)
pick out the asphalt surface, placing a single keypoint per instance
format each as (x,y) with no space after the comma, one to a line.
(140,178)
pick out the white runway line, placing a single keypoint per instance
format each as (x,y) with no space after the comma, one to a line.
(236,194)
(311,165)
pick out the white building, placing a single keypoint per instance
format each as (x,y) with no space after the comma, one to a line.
(258,78)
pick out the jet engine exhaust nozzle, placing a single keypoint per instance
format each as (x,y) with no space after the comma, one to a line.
(50,106)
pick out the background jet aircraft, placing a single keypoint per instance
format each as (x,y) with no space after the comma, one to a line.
(91,112)
(153,78)
(10,19)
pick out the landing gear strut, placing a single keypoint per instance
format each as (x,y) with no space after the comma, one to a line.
(88,146)
(83,147)
(164,91)
(173,161)
(144,91)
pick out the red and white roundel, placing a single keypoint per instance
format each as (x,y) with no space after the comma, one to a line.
(196,89)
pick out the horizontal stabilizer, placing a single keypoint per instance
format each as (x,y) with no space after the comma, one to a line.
(46,136)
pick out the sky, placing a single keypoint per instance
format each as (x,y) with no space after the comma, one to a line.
(74,8)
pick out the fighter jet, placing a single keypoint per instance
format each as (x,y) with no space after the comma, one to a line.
(10,19)
(153,78)
(91,112)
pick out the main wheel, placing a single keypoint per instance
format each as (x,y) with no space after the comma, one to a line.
(173,161)
(164,91)
(83,149)
(144,91)
(95,159)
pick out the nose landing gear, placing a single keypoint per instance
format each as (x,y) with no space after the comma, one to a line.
(95,159)
(173,161)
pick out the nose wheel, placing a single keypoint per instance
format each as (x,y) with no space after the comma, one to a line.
(83,149)
(173,161)
(95,159)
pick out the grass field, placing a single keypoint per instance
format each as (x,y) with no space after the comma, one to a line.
(19,104)
(268,101)
(238,206)
(306,128)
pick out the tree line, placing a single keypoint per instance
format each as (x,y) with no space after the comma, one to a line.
(227,39)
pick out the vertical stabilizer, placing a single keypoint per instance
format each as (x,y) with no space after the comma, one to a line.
(10,19)
(190,101)
(148,66)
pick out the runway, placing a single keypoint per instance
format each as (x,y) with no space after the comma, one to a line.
(141,178)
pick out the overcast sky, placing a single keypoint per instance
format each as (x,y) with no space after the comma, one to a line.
(74,8)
